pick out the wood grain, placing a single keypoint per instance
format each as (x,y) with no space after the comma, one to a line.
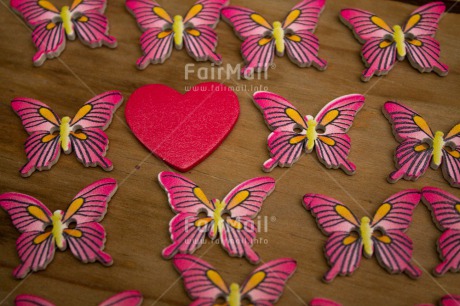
(138,215)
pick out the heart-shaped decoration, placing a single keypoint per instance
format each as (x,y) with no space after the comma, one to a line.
(182,129)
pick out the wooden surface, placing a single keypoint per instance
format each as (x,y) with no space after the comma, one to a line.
(138,215)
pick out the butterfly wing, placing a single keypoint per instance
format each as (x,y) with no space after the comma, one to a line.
(30,217)
(31,300)
(424,20)
(125,298)
(199,37)
(35,12)
(379,56)
(406,123)
(379,53)
(302,49)
(246,22)
(201,42)
(49,38)
(90,24)
(338,115)
(157,41)
(301,44)
(451,156)
(98,112)
(42,147)
(285,143)
(396,212)
(88,140)
(257,49)
(246,199)
(393,248)
(86,240)
(92,28)
(278,112)
(304,16)
(258,53)
(243,203)
(413,155)
(265,285)
(333,145)
(423,53)
(156,45)
(423,50)
(184,196)
(445,209)
(48,34)
(203,283)
(444,206)
(187,228)
(149,14)
(449,249)
(343,249)
(205,13)
(365,25)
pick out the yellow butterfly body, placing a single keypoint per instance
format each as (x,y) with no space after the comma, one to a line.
(218,215)
(438,146)
(399,38)
(234,298)
(312,135)
(66,20)
(64,132)
(278,34)
(366,235)
(58,228)
(178,29)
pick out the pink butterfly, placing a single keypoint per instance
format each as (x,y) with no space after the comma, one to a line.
(384,234)
(82,133)
(125,298)
(42,231)
(293,133)
(447,300)
(262,39)
(84,18)
(383,45)
(237,231)
(161,32)
(445,208)
(420,147)
(205,286)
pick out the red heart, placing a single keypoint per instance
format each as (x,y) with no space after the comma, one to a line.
(182,129)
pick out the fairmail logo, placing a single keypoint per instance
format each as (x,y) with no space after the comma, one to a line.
(259,224)
(224,72)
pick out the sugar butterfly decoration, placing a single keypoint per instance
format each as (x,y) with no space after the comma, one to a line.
(293,133)
(84,18)
(205,286)
(445,208)
(161,32)
(420,148)
(382,235)
(125,298)
(261,40)
(236,232)
(42,232)
(383,44)
(82,134)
